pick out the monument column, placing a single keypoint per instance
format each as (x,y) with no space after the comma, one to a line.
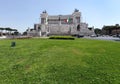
(76,20)
(44,21)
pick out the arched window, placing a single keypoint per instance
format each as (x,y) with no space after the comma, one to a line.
(78,27)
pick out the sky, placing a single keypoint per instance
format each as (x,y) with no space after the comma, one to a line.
(21,14)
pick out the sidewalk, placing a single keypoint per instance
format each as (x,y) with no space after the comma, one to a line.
(3,37)
(105,38)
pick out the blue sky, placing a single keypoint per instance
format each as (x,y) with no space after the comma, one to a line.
(21,14)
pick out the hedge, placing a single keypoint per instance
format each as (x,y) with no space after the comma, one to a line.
(62,37)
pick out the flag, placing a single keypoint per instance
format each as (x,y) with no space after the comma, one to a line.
(68,20)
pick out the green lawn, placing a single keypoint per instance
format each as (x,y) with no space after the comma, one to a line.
(45,61)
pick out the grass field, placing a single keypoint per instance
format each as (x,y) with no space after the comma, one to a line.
(46,61)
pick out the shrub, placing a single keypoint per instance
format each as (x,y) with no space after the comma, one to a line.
(62,37)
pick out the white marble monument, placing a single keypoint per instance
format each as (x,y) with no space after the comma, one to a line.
(61,25)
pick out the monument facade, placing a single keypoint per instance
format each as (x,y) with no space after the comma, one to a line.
(60,25)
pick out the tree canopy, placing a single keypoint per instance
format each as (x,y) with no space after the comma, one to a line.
(108,29)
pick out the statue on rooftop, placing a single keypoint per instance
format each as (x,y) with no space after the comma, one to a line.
(76,10)
(44,11)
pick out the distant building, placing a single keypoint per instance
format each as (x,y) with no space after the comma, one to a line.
(111,29)
(60,25)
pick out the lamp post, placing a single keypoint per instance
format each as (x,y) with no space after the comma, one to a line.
(59,23)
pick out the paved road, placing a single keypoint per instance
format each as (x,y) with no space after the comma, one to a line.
(105,38)
(2,37)
(99,38)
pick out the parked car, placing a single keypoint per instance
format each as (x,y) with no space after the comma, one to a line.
(118,35)
(93,35)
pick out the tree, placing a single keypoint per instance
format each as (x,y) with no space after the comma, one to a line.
(25,33)
(117,27)
(98,31)
(15,30)
(8,30)
(1,30)
(107,30)
(111,30)
(16,33)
